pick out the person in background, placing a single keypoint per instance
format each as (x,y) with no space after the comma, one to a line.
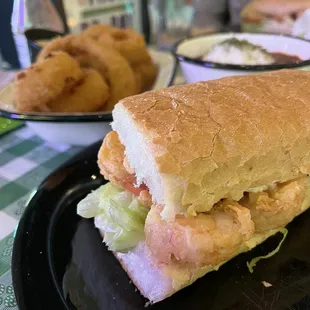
(221,15)
(278,16)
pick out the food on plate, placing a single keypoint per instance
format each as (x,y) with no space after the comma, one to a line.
(89,94)
(224,163)
(201,240)
(113,164)
(124,65)
(145,74)
(131,46)
(242,52)
(273,15)
(235,51)
(94,31)
(108,62)
(44,81)
(277,205)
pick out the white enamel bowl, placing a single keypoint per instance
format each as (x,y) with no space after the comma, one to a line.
(188,51)
(78,128)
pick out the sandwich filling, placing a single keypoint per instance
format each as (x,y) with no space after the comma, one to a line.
(124,212)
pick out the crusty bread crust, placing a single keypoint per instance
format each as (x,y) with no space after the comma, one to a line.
(226,136)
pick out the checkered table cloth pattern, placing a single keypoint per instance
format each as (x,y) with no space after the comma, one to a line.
(25,160)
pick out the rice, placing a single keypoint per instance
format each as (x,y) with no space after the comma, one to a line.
(238,52)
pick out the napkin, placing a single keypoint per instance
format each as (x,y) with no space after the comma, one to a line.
(7,125)
(301,27)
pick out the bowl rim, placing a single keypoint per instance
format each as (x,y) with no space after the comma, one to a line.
(216,65)
(89,117)
(58,117)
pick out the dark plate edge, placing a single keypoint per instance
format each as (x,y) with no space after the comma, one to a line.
(20,235)
(87,118)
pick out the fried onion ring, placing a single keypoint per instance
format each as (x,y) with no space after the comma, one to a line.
(132,47)
(88,95)
(110,64)
(130,44)
(42,82)
(95,31)
(145,75)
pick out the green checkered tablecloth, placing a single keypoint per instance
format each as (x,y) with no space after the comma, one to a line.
(25,160)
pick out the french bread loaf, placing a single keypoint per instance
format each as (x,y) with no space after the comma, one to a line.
(203,142)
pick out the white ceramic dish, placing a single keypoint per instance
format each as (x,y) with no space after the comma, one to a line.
(78,128)
(194,69)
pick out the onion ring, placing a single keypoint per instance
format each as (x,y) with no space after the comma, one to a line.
(110,64)
(87,95)
(130,44)
(95,31)
(132,47)
(145,75)
(44,81)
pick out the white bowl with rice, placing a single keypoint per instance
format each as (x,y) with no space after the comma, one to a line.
(214,56)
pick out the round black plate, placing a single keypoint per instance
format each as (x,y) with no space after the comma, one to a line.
(59,261)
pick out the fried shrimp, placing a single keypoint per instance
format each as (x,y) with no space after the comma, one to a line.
(87,95)
(111,157)
(277,206)
(36,86)
(108,62)
(206,239)
(113,166)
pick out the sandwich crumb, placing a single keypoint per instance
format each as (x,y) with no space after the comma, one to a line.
(266,284)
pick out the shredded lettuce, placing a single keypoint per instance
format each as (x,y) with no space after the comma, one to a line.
(255,260)
(118,214)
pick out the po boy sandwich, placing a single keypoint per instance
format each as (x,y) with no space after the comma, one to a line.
(200,173)
(273,16)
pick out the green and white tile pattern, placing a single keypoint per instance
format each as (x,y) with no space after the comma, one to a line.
(25,160)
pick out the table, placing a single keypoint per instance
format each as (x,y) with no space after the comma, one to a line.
(25,160)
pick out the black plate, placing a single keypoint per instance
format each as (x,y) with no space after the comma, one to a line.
(59,261)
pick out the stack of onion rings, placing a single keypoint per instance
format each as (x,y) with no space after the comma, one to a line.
(131,46)
(36,86)
(87,72)
(108,62)
(87,95)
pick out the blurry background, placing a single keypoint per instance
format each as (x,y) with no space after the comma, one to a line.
(163,22)
(169,20)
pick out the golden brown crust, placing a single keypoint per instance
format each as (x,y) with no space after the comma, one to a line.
(145,73)
(88,95)
(132,47)
(94,31)
(42,82)
(109,63)
(226,136)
